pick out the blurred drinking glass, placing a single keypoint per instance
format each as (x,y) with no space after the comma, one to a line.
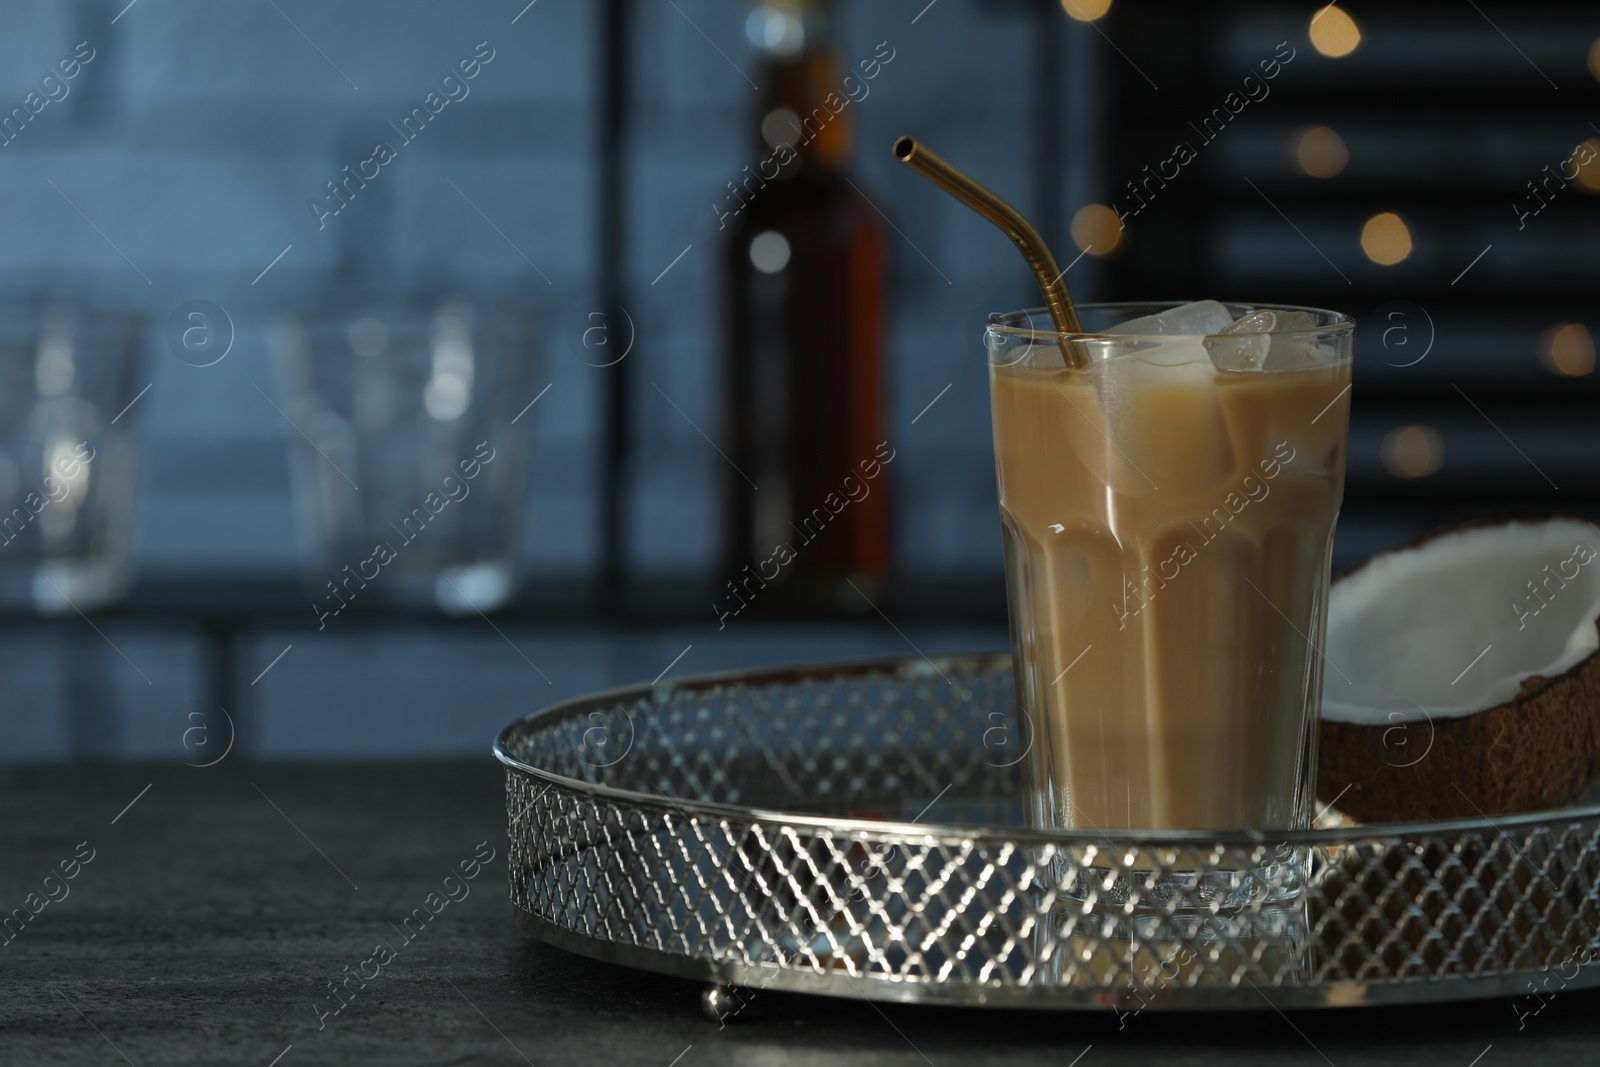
(408,468)
(67,459)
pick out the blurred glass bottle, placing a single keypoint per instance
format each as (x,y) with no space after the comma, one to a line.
(804,291)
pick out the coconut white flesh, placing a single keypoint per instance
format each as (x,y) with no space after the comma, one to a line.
(1406,631)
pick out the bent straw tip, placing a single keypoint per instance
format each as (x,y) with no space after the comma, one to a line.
(1012,223)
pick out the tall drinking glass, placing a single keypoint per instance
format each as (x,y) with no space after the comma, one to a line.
(1168,516)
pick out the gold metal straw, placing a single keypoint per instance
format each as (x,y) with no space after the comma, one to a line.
(1010,220)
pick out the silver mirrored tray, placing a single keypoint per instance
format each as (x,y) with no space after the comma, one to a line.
(857,830)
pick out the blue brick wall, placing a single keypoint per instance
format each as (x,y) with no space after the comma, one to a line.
(194,140)
(198,133)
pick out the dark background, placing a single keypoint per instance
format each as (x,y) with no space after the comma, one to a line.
(597,142)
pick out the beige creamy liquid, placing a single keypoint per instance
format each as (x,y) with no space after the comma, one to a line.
(1181,536)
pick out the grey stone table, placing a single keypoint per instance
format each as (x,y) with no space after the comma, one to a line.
(211,916)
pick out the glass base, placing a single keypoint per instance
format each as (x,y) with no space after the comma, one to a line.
(451,589)
(1174,891)
(62,586)
(1147,928)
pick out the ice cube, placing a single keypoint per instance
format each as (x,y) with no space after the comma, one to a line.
(1163,419)
(1174,353)
(1196,320)
(1255,322)
(1242,344)
(1293,354)
(1291,350)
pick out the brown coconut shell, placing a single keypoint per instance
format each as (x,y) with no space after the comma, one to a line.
(1539,750)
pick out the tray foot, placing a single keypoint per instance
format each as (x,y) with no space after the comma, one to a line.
(718,1001)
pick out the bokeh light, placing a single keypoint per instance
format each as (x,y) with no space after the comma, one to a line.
(769,251)
(1334,33)
(1320,152)
(1594,59)
(1567,348)
(1086,10)
(1096,229)
(1588,177)
(1385,239)
(1413,451)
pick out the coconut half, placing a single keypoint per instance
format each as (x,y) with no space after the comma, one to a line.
(1461,674)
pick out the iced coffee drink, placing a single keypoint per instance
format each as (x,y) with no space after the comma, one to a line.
(1168,511)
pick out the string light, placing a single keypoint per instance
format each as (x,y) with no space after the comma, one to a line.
(1320,152)
(1588,176)
(1096,229)
(1086,10)
(1385,239)
(1413,451)
(1567,349)
(1334,33)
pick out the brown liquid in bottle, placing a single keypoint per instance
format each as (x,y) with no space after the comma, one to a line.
(804,274)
